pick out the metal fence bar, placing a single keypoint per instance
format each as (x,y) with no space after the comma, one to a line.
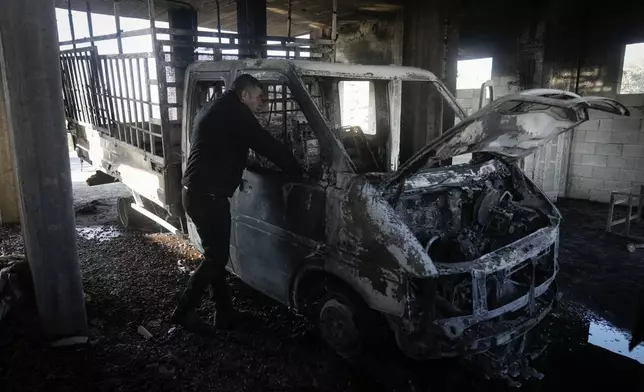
(215,45)
(73,100)
(79,88)
(233,36)
(141,102)
(133,102)
(82,64)
(117,21)
(107,95)
(71,23)
(121,129)
(71,103)
(146,69)
(119,81)
(95,86)
(107,37)
(163,92)
(102,92)
(90,26)
(126,101)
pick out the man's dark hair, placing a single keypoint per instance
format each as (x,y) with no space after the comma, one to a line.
(244,82)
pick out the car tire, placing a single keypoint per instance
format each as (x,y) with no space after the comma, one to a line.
(341,317)
(127,216)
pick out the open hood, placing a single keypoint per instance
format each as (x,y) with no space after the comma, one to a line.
(513,126)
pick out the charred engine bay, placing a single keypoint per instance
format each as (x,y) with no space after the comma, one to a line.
(461,213)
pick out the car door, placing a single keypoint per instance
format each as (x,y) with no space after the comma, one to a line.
(277,220)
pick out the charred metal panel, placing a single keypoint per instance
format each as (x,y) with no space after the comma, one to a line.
(276,224)
(125,162)
(369,235)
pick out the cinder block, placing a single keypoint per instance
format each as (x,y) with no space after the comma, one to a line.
(627,124)
(590,125)
(598,114)
(579,135)
(594,160)
(600,196)
(614,185)
(636,112)
(631,99)
(576,159)
(621,163)
(604,173)
(591,183)
(577,193)
(636,187)
(626,137)
(465,93)
(606,124)
(633,151)
(582,171)
(639,164)
(463,102)
(631,175)
(598,136)
(609,149)
(583,148)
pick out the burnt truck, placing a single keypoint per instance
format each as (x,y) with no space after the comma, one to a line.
(454,260)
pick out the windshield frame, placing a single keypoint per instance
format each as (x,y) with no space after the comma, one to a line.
(394,94)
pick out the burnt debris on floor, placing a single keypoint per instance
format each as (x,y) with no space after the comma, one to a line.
(132,279)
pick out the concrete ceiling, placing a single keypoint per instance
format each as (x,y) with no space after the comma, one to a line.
(307,15)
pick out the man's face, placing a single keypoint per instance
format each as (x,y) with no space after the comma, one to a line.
(253,97)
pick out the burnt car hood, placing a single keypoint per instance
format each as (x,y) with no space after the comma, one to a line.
(513,126)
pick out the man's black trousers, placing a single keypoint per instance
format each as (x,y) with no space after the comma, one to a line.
(211,216)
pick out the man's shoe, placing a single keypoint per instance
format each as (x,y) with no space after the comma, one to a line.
(191,322)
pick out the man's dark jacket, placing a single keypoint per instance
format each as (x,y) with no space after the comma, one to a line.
(222,133)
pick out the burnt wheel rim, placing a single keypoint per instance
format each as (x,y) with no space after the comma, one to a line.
(338,328)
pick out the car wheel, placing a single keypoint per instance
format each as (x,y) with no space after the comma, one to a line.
(128,218)
(341,316)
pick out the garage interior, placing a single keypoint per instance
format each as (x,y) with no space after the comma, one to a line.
(130,279)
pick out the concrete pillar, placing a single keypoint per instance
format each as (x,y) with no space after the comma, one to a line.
(9,205)
(251,24)
(430,41)
(29,60)
(184,19)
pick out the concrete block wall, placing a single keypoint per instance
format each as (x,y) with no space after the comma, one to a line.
(608,153)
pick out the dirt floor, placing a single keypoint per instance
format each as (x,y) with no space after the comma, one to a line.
(133,279)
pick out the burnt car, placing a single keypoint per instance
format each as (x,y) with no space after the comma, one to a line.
(455,260)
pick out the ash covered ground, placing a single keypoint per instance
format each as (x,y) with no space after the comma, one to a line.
(132,279)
